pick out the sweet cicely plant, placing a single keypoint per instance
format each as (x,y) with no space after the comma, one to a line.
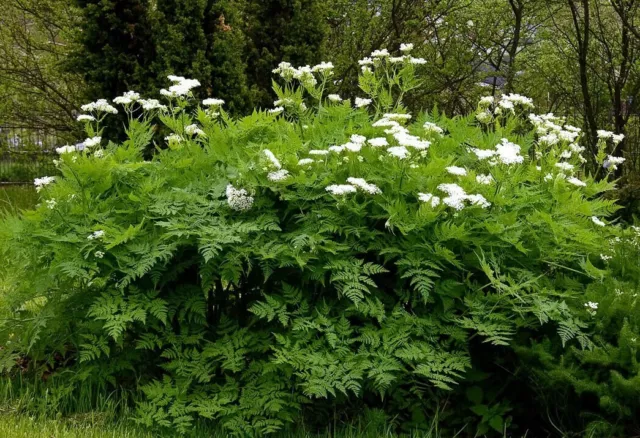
(324,253)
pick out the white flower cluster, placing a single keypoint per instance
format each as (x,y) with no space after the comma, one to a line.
(272,159)
(42,182)
(334,98)
(96,235)
(305,161)
(505,152)
(277,110)
(360,102)
(181,86)
(484,179)
(597,221)
(100,105)
(65,149)
(612,162)
(360,183)
(127,98)
(212,102)
(432,128)
(429,198)
(194,130)
(457,196)
(340,189)
(399,152)
(458,171)
(151,104)
(91,142)
(591,307)
(576,182)
(278,175)
(318,152)
(378,142)
(173,138)
(606,135)
(85,118)
(238,199)
(510,101)
(51,204)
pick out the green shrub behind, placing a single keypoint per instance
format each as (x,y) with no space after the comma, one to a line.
(310,258)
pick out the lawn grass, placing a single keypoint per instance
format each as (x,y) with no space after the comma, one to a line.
(96,425)
(15,197)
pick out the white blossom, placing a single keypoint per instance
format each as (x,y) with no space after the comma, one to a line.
(360,102)
(305,161)
(51,204)
(93,141)
(597,221)
(99,153)
(272,158)
(127,98)
(100,105)
(278,175)
(193,130)
(612,162)
(213,102)
(42,182)
(576,182)
(175,138)
(417,61)
(604,135)
(359,139)
(382,53)
(429,198)
(508,153)
(318,152)
(65,149)
(484,179)
(365,62)
(360,183)
(408,140)
(396,116)
(238,199)
(378,142)
(565,166)
(340,189)
(334,98)
(96,235)
(384,123)
(399,151)
(323,67)
(85,118)
(432,127)
(455,170)
(151,104)
(406,47)
(617,138)
(277,110)
(98,254)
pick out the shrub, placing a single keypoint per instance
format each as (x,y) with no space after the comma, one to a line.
(314,256)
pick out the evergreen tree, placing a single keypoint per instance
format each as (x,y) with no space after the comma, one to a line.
(282,30)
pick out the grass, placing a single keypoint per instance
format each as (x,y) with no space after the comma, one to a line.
(14,197)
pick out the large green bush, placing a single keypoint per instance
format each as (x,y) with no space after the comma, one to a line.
(316,257)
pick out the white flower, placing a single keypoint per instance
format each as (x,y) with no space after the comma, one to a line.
(65,149)
(278,175)
(272,158)
(365,61)
(127,98)
(566,154)
(486,101)
(408,140)
(352,147)
(96,235)
(323,67)
(396,116)
(100,105)
(597,221)
(455,170)
(483,153)
(548,177)
(417,61)
(396,59)
(617,138)
(213,102)
(380,53)
(44,181)
(360,102)
(181,86)
(569,136)
(612,162)
(175,138)
(98,254)
(576,182)
(151,104)
(399,151)
(276,110)
(334,98)
(360,183)
(85,118)
(285,70)
(340,189)
(359,139)
(605,257)
(336,149)
(51,204)
(238,199)
(429,198)
(318,152)
(193,130)
(478,200)
(305,161)
(93,141)
(406,47)
(591,305)
(565,166)
(604,135)
(384,122)
(484,117)
(99,153)
(432,127)
(484,179)
(378,142)
(549,139)
(456,197)
(508,153)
